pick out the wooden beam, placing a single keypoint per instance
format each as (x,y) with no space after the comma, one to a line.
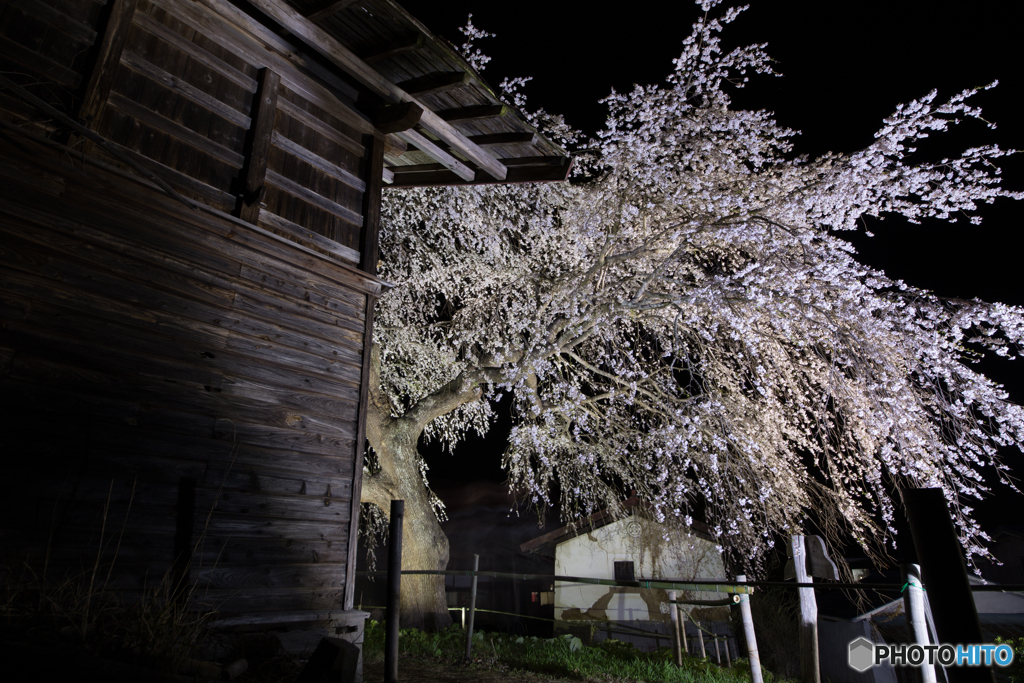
(328,8)
(481,111)
(533,162)
(394,118)
(108,56)
(520,174)
(310,197)
(321,127)
(329,47)
(398,47)
(317,161)
(434,82)
(258,145)
(176,130)
(394,147)
(434,152)
(308,237)
(491,139)
(182,87)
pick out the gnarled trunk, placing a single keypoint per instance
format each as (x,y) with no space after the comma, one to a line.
(424,545)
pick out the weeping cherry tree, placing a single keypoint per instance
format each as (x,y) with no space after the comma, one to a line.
(684,321)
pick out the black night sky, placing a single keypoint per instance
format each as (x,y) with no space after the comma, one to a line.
(845,67)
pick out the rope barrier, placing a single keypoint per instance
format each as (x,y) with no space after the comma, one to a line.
(732,587)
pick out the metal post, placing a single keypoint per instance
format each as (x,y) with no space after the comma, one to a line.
(472,607)
(913,603)
(944,572)
(809,668)
(748,631)
(463,610)
(673,610)
(700,635)
(394,591)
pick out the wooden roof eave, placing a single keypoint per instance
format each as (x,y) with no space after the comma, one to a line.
(325,44)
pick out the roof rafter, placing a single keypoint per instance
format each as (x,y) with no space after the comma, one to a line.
(326,45)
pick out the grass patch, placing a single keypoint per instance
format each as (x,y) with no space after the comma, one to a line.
(564,656)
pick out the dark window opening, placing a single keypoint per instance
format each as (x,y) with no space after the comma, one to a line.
(624,571)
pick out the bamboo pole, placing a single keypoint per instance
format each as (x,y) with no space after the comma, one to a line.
(913,601)
(700,636)
(748,631)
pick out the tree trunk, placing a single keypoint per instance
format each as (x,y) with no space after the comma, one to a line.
(424,545)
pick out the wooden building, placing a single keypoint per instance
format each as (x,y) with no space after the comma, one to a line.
(189,201)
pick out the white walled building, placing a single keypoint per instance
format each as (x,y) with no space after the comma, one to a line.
(631,548)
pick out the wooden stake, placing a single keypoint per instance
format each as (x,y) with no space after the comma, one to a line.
(748,631)
(677,645)
(700,636)
(394,591)
(472,607)
(809,669)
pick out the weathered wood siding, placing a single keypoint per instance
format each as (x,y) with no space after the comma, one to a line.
(183,389)
(182,365)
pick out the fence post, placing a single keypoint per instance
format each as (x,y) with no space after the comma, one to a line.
(942,561)
(700,636)
(809,668)
(748,631)
(394,591)
(718,652)
(913,602)
(472,607)
(673,610)
(728,655)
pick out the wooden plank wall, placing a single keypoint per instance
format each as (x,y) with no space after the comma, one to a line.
(151,356)
(180,102)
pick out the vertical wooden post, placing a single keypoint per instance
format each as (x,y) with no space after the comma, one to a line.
(728,655)
(394,591)
(718,652)
(809,669)
(472,607)
(371,204)
(359,452)
(748,631)
(107,59)
(700,637)
(677,645)
(257,146)
(945,573)
(913,606)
